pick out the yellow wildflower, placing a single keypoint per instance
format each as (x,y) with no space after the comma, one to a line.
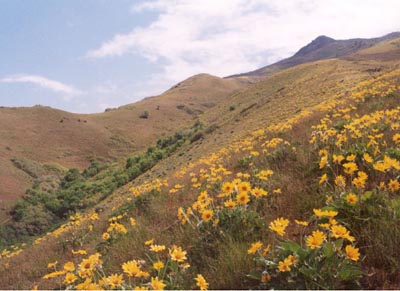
(131,268)
(299,222)
(54,274)
(340,181)
(254,247)
(115,281)
(177,254)
(316,239)
(158,265)
(52,265)
(157,284)
(157,248)
(149,242)
(70,278)
(106,236)
(350,168)
(132,221)
(79,252)
(243,198)
(368,158)
(393,185)
(279,225)
(207,214)
(230,204)
(201,282)
(351,198)
(69,267)
(352,253)
(323,179)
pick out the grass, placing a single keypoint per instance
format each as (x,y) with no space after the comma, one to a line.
(218,249)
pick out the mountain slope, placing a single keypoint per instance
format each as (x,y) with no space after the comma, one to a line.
(50,136)
(337,104)
(321,48)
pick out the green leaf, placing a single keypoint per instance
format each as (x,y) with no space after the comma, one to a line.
(328,250)
(291,246)
(256,275)
(367,195)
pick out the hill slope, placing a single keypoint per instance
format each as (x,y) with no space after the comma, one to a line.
(49,136)
(316,143)
(321,48)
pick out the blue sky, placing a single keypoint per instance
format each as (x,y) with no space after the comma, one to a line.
(87,55)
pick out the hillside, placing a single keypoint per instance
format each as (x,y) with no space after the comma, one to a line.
(321,48)
(292,183)
(38,135)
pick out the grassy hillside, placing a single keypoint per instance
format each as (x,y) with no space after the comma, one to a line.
(46,135)
(293,183)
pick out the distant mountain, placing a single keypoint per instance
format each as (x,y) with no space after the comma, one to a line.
(321,48)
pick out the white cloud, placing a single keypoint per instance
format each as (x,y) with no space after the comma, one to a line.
(224,37)
(56,86)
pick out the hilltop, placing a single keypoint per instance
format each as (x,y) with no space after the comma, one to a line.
(321,48)
(285,177)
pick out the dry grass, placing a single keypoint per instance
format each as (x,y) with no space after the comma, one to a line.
(277,98)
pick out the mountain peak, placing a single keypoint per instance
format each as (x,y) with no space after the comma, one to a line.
(317,43)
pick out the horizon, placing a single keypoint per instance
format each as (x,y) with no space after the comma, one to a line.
(84,58)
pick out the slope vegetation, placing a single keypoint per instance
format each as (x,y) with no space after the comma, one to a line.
(48,136)
(293,184)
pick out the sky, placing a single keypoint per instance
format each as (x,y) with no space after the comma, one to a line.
(85,56)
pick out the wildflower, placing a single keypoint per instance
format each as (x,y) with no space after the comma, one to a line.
(340,181)
(284,266)
(351,158)
(244,187)
(299,222)
(279,225)
(69,267)
(132,221)
(277,191)
(352,253)
(206,215)
(115,281)
(140,288)
(79,252)
(323,179)
(230,204)
(53,274)
(157,284)
(243,198)
(266,250)
(323,162)
(325,213)
(131,268)
(339,231)
(201,282)
(70,278)
(52,265)
(254,247)
(367,158)
(393,185)
(157,248)
(258,192)
(106,236)
(227,187)
(337,159)
(177,254)
(87,285)
(149,242)
(350,168)
(316,239)
(351,198)
(158,265)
